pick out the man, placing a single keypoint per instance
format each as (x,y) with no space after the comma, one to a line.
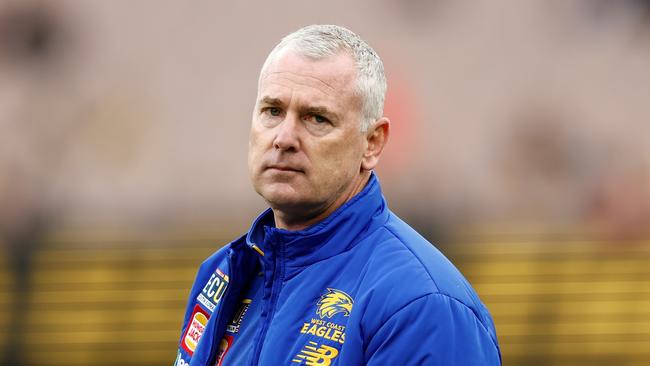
(328,275)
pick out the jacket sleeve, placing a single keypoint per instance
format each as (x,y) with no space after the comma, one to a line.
(432,330)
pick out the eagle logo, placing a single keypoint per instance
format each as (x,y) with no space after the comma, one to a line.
(333,302)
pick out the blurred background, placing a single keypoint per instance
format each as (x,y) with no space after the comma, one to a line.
(520,146)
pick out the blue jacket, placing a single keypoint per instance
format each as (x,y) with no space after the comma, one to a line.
(359,288)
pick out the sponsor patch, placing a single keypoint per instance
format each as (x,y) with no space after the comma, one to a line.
(180,361)
(224,346)
(313,354)
(195,329)
(235,324)
(213,290)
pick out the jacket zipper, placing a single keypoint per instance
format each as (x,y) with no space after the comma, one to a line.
(276,284)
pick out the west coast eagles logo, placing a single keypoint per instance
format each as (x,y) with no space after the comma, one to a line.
(333,302)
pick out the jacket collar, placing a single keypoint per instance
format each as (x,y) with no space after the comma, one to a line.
(335,234)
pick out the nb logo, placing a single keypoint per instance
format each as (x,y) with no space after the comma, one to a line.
(312,356)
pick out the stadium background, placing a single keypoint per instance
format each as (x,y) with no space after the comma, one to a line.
(521,146)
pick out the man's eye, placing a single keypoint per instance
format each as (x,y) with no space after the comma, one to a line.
(320,119)
(273,111)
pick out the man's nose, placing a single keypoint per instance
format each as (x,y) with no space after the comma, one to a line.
(287,137)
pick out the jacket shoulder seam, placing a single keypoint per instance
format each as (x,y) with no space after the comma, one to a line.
(416,257)
(438,289)
(452,299)
(478,319)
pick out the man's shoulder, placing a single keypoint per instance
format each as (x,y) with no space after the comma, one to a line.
(407,266)
(402,249)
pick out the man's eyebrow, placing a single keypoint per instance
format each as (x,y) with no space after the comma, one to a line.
(317,110)
(271,101)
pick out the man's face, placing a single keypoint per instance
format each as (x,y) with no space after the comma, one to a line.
(306,146)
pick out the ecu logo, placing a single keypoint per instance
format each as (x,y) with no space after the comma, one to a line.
(334,302)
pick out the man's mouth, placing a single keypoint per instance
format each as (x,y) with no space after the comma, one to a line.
(284,168)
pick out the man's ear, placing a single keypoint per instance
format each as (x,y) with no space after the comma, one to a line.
(376,139)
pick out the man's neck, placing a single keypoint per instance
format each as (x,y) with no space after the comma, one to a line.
(296,222)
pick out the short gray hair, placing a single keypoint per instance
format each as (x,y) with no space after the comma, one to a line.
(322,41)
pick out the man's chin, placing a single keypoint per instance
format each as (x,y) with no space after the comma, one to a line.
(279,192)
(285,199)
(283,202)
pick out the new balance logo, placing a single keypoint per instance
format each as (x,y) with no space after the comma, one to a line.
(313,355)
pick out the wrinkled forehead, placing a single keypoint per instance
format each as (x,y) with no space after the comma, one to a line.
(335,75)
